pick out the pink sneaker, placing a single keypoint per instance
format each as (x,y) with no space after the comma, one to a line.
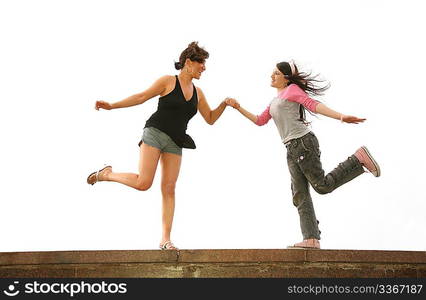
(365,158)
(308,243)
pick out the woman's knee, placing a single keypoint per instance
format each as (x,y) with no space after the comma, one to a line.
(299,198)
(143,185)
(322,189)
(168,188)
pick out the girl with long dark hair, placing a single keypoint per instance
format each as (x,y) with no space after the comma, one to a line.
(287,109)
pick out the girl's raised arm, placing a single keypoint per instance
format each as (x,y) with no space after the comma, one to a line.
(260,120)
(155,89)
(328,112)
(210,116)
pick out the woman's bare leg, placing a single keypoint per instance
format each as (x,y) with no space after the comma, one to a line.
(148,162)
(170,171)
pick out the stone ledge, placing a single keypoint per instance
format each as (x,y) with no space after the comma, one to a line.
(214,263)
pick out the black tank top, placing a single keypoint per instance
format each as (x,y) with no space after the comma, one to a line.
(173,114)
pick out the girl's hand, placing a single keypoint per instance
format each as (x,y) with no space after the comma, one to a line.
(232,102)
(351,119)
(103,105)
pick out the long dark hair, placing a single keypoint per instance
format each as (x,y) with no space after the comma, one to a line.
(194,53)
(306,81)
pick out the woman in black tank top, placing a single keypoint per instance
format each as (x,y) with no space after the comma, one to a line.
(178,103)
(173,115)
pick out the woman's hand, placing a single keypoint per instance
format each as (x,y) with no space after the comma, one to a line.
(351,119)
(103,105)
(232,102)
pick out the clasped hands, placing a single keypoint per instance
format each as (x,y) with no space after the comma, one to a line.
(232,102)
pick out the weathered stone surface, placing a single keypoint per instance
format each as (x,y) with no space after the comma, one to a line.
(245,255)
(366,256)
(226,263)
(76,257)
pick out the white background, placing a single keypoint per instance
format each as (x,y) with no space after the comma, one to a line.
(59,57)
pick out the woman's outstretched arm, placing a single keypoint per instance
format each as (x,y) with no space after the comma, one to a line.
(328,112)
(258,120)
(156,89)
(247,114)
(210,116)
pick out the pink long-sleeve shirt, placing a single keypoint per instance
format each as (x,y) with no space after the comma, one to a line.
(284,109)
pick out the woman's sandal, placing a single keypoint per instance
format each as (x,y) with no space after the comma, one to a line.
(94,177)
(168,245)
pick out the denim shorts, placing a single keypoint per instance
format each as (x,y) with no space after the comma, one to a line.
(158,139)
